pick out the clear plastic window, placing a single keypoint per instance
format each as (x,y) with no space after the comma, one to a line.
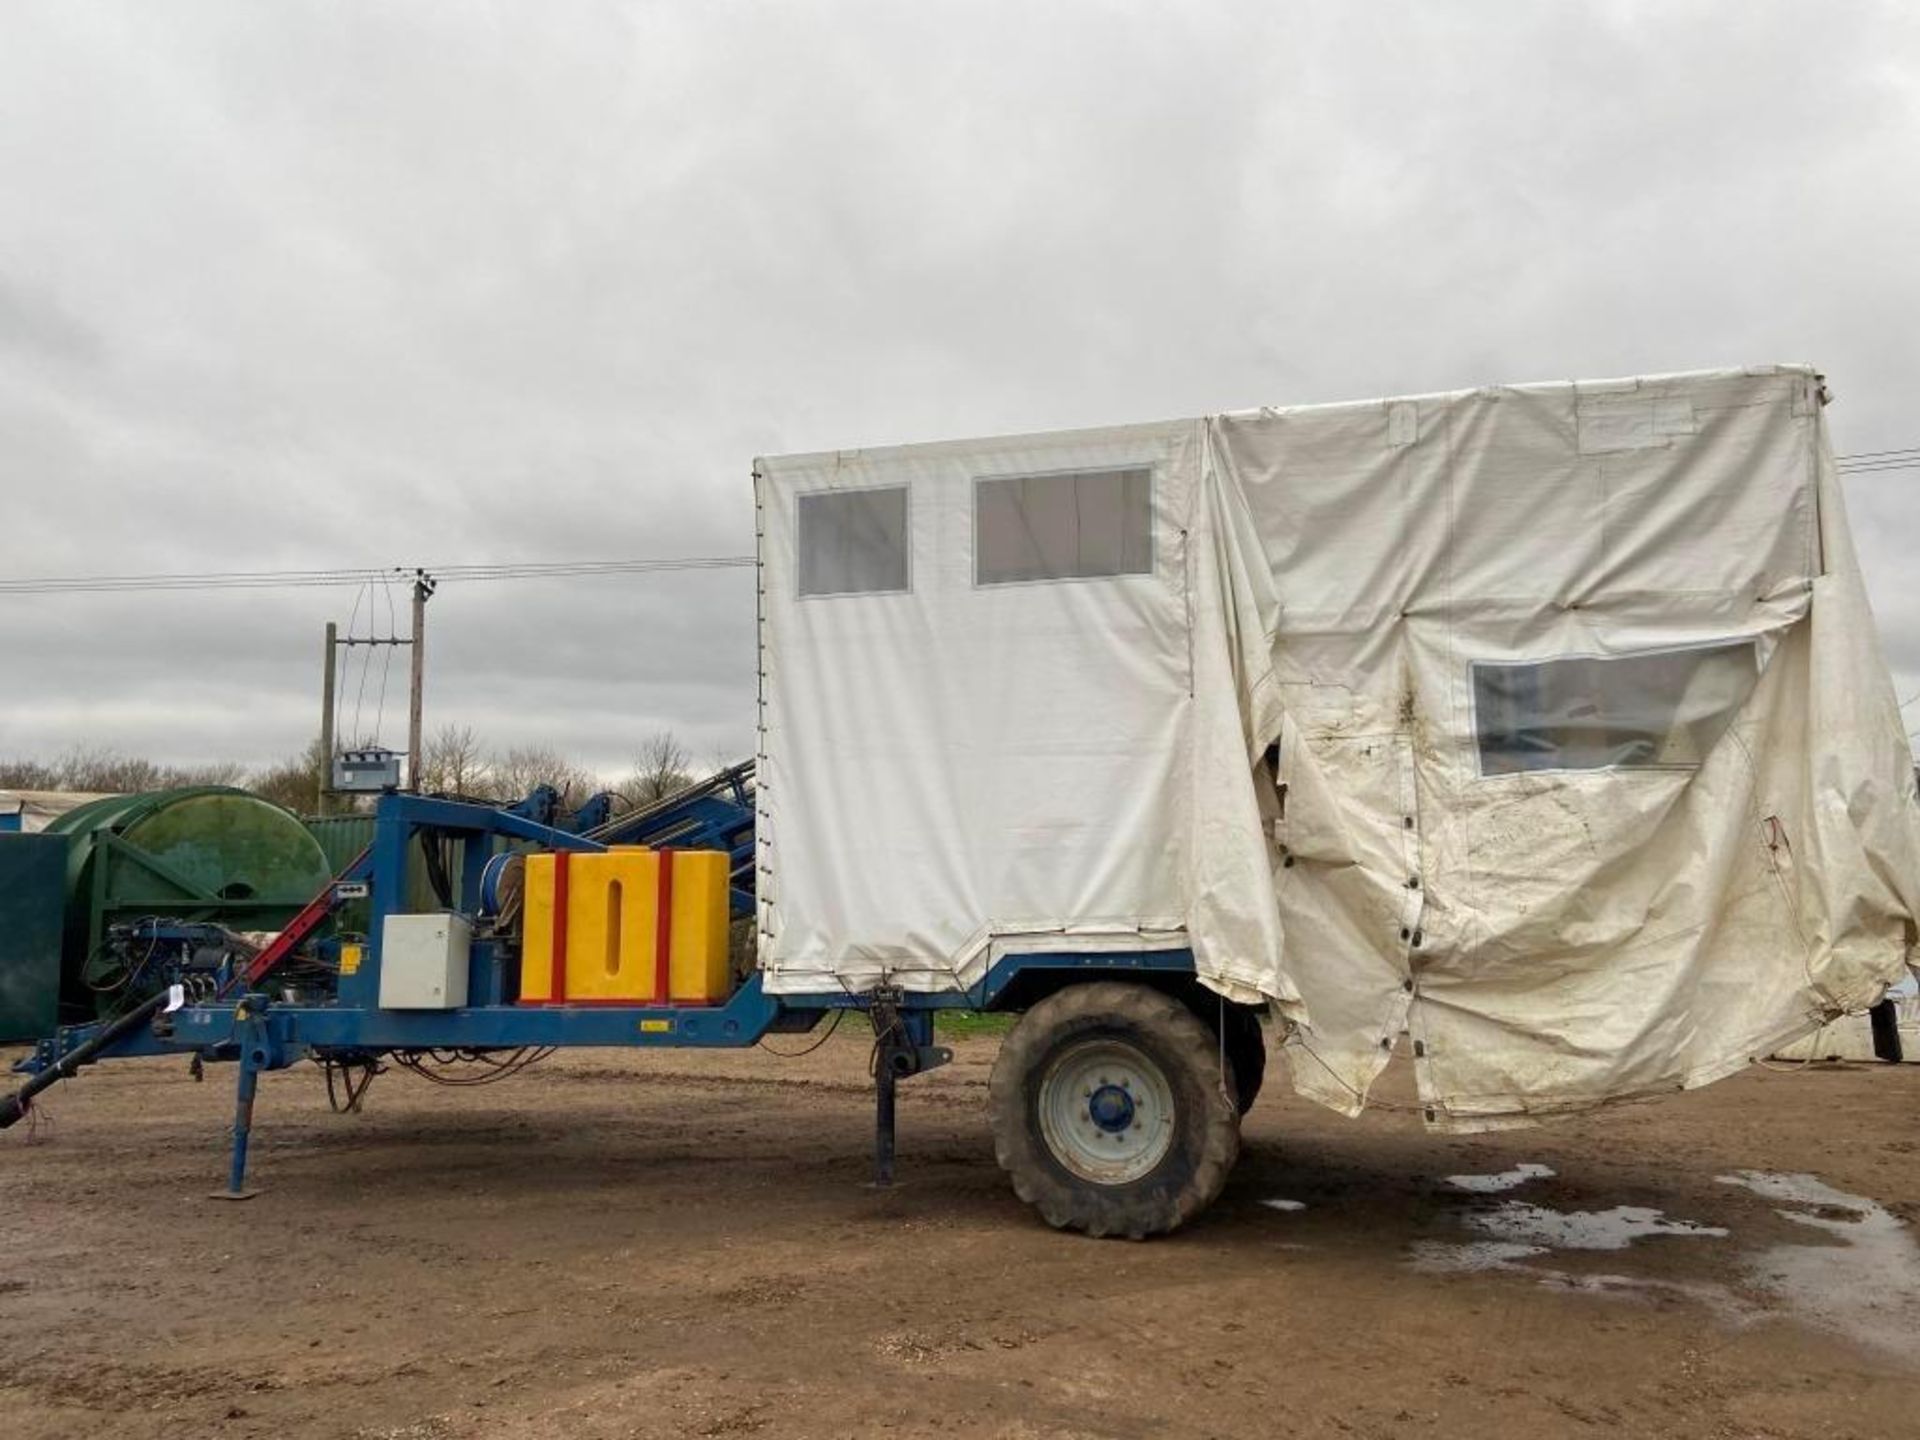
(1074,525)
(853,542)
(1657,710)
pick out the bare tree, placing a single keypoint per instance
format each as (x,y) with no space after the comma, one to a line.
(455,763)
(293,782)
(28,775)
(660,770)
(720,757)
(517,770)
(106,771)
(99,768)
(218,772)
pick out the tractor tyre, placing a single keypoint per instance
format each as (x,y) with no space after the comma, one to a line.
(1111,1113)
(1246,1045)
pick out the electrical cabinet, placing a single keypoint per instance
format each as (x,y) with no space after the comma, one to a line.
(423,961)
(366,771)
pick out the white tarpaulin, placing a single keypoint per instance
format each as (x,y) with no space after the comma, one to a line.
(1544,724)
(31,810)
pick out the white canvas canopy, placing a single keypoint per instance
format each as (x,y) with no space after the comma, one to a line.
(36,808)
(1545,724)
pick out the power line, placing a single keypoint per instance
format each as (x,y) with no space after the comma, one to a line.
(366,663)
(1875,462)
(359,577)
(1864,462)
(1875,454)
(386,667)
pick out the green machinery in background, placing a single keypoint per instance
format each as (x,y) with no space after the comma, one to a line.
(212,854)
(33,907)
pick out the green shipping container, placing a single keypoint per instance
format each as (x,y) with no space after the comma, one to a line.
(33,898)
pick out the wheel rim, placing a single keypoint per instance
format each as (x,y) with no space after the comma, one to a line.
(1106,1111)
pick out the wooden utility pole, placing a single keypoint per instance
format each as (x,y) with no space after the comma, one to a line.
(422,592)
(321,801)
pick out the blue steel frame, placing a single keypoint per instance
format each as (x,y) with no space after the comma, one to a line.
(262,1033)
(352,1021)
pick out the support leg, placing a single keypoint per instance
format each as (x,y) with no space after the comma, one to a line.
(1885,1022)
(890,1041)
(242,1129)
(902,1046)
(885,1081)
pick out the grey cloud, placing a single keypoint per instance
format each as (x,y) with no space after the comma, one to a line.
(412,283)
(38,328)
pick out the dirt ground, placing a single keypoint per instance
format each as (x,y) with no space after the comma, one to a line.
(676,1244)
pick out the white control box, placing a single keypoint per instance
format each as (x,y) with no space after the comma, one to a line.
(423,961)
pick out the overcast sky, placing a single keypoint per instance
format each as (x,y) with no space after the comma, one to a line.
(403,283)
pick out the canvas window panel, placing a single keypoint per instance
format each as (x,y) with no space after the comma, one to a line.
(1074,525)
(853,542)
(1657,710)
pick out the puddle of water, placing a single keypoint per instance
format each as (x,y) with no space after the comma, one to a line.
(1445,1257)
(1505,1180)
(1614,1229)
(1802,1189)
(1860,1278)
(1287,1205)
(1733,1312)
(1866,1286)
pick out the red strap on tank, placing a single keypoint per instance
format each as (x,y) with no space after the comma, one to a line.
(663,933)
(557,990)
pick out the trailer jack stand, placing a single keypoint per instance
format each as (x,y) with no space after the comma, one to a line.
(901,1047)
(885,1082)
(1885,1022)
(242,1129)
(254,1056)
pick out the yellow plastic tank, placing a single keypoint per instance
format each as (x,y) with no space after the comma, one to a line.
(626,926)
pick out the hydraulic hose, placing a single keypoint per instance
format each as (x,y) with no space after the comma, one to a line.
(16,1105)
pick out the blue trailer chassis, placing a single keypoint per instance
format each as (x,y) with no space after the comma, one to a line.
(260,1032)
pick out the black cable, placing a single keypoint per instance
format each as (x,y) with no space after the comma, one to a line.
(438,865)
(355,1093)
(124,989)
(1860,462)
(386,668)
(421,1063)
(365,576)
(832,1025)
(366,666)
(895,1035)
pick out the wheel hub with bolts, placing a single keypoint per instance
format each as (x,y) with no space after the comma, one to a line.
(1106,1111)
(1111,1108)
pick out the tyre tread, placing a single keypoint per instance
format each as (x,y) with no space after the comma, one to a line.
(1066,1203)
